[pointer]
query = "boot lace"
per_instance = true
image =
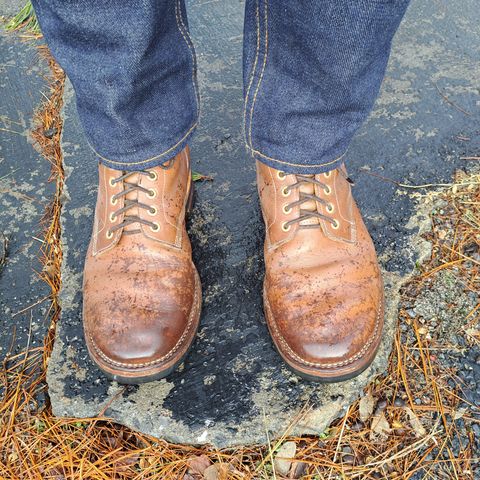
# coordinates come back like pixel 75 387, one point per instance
pixel 128 203
pixel 306 214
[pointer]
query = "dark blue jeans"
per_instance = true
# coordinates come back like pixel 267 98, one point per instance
pixel 312 71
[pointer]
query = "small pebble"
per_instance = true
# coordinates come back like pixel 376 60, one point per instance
pixel 347 449
pixel 283 458
pixel 381 405
pixel 49 132
pixel 357 426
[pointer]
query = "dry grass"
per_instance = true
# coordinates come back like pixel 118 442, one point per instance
pixel 411 424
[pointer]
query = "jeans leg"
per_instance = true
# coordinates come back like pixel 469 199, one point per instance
pixel 133 69
pixel 312 71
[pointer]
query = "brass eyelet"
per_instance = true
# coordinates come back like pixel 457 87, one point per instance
pixel 327 174
pixel 152 211
pixel 327 190
pixel 286 191
pixel 281 175
pixel 152 193
pixel 336 224
pixel 286 209
pixel 112 217
pixel 112 181
pixel 113 200
pixel 109 234
pixel 330 208
pixel 155 227
pixel 153 175
pixel 286 227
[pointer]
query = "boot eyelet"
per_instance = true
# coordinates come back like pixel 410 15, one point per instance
pixel 330 208
pixel 327 190
pixel 152 193
pixel 152 211
pixel 286 191
pixel 109 234
pixel 153 175
pixel 336 224
pixel 281 175
pixel 112 181
pixel 113 200
pixel 327 174
pixel 286 209
pixel 155 227
pixel 113 216
pixel 286 227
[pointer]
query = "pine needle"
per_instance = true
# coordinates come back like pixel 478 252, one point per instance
pixel 26 20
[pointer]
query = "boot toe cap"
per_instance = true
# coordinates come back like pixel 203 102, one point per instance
pixel 326 344
pixel 131 335
pixel 137 346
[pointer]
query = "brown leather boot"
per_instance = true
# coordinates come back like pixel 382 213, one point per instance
pixel 141 291
pixel 323 291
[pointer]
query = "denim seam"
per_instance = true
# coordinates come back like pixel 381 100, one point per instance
pixel 188 40
pixel 249 142
pixel 254 69
pixel 265 56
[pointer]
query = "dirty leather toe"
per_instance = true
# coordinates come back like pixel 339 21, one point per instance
pixel 149 308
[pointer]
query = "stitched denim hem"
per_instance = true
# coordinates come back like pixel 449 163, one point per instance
pixel 148 159
pixel 291 167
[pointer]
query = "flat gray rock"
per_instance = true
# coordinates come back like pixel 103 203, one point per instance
pixel 233 388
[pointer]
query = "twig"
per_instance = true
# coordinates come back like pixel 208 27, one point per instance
pixel 403 185
pixel 337 449
pixel 38 302
pixel 460 109
pixel 109 403
pixel 301 414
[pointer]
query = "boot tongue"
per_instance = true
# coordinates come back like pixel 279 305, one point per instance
pixel 133 211
pixel 308 205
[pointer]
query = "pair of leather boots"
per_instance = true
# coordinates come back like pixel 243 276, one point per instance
pixel 323 292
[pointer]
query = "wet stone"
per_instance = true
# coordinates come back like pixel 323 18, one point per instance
pixel 233 388
pixel 24 196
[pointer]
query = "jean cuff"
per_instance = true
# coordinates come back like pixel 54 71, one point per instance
pixel 291 167
pixel 151 159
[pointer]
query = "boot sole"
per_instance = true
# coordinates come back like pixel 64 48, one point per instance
pixel 336 379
